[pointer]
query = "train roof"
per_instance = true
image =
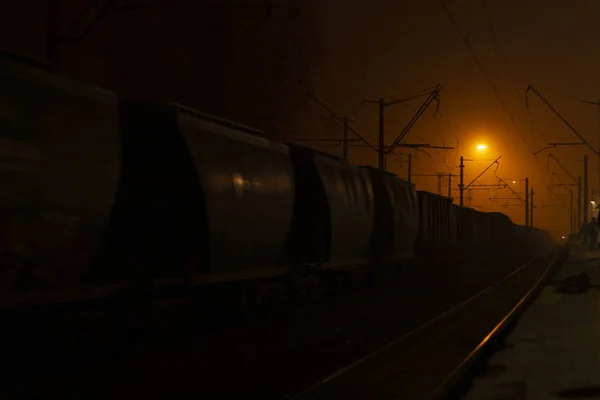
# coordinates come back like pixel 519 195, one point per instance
pixel 19 67
pixel 316 151
pixel 26 60
pixel 221 126
pixel 436 195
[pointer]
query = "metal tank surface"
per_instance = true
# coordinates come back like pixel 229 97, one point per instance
pixel 437 226
pixel 396 217
pixel 464 225
pixel 59 168
pixel 334 213
pixel 523 236
pixel 473 227
pixel 247 185
pixel 482 228
pixel 501 229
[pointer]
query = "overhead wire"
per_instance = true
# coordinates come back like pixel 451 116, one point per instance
pixel 341 49
pixel 520 96
pixel 484 72
pixel 508 70
pixel 491 84
pixel 383 86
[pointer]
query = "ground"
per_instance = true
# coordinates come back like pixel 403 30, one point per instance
pixel 554 351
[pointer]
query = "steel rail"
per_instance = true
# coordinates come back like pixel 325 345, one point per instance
pixel 459 372
pixel 338 375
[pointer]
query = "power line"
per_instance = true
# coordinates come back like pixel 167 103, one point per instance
pixel 483 71
pixel 489 81
pixel 333 114
pixel 342 49
pixel 500 51
pixel 510 77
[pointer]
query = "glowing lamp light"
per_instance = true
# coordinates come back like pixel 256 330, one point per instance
pixel 481 147
pixel 514 181
pixel 563 237
pixel 593 202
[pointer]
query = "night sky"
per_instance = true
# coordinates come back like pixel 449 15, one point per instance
pixel 240 64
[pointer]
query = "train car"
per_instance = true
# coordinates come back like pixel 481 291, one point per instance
pixel 60 165
pixel 482 228
pixel 396 218
pixel 473 227
pixel 501 230
pixel 528 240
pixel 334 211
pixel 437 223
pixel 522 236
pixel 543 241
pixel 465 235
pixel 203 200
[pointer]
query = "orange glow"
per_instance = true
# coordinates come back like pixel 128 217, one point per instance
pixel 481 147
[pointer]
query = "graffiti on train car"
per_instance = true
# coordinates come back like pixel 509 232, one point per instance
pixel 20 155
pixel 38 244
pixel 40 249
pixel 25 150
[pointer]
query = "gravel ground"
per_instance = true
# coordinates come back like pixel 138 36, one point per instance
pixel 415 369
pixel 273 357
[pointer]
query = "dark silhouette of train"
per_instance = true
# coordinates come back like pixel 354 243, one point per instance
pixel 100 194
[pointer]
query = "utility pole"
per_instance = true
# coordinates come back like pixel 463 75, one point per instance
pixel 380 142
pixel 345 142
pixel 585 189
pixel 570 206
pixel 410 167
pixel 440 177
pixel 571 211
pixel 382 151
pixel 54 31
pixel 532 207
pixel 579 202
pixel 595 103
pixel 579 197
pixel 526 201
pixel 461 185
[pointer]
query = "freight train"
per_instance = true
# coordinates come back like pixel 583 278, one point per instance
pixel 101 194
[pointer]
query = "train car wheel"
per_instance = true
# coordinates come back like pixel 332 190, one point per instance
pixel 271 297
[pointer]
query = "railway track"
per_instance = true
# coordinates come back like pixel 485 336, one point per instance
pixel 436 360
pixel 276 357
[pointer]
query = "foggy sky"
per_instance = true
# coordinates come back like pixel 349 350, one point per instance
pixel 245 67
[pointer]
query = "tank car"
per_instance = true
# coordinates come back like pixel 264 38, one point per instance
pixel 202 199
pixel 396 218
pixel 333 212
pixel 465 235
pixel 501 231
pixel 437 223
pixel 60 167
pixel 104 192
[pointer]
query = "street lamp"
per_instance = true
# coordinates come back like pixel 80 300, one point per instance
pixel 481 147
